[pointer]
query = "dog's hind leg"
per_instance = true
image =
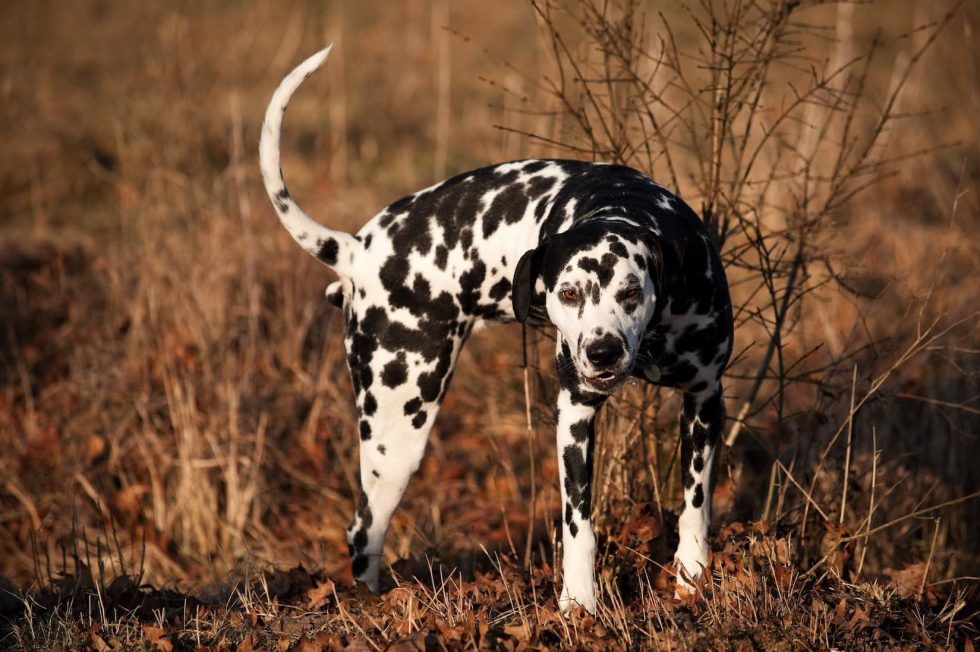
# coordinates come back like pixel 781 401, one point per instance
pixel 398 392
pixel 702 418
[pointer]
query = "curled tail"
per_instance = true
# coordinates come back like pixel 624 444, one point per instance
pixel 335 248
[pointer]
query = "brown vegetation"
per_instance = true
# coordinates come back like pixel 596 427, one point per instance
pixel 175 411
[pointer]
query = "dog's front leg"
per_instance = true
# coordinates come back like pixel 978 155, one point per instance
pixel 575 439
pixel 702 418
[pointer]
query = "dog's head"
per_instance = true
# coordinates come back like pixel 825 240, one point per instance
pixel 597 283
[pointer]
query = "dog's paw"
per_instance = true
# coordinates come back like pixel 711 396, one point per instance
pixel 568 601
pixel 690 562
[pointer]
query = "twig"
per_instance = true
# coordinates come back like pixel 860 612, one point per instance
pixel 880 528
pixel 531 439
pixel 847 455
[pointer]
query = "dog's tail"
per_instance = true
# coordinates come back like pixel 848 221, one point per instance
pixel 335 248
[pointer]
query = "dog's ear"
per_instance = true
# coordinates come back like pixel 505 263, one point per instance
pixel 655 262
pixel 525 278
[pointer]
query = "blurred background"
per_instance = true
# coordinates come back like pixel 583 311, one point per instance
pixel 173 384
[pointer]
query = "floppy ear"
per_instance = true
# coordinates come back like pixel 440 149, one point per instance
pixel 525 278
pixel 656 259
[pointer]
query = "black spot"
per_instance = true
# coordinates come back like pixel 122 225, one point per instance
pixel 500 290
pixel 395 372
pixel 698 498
pixel 592 291
pixel 364 512
pixel 698 463
pixel 387 219
pixel 401 205
pixel 413 406
pixel 508 206
pixel 365 430
pixel 328 251
pixel 361 539
pixel 442 255
pixel 430 385
pixel 419 420
pixel 367 378
pixel 370 404
pixel 688 479
pixel 582 430
pixel 604 268
pixel 375 473
pixel 619 249
pixel 470 297
pixel 382 449
pixel 578 480
pixel 572 529
pixel 280 199
pixel 358 564
pixel 681 372
pixel 699 435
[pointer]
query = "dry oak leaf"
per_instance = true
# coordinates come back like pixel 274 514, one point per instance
pixel 859 620
pixel 908 580
pixel 318 596
pixel 642 527
pixel 156 638
pixel 520 632
pixel 413 643
pixel 325 640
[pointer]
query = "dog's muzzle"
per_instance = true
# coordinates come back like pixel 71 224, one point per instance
pixel 607 381
pixel 608 357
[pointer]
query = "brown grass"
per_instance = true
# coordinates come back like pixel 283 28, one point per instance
pixel 175 411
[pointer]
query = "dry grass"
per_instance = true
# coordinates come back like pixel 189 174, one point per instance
pixel 174 407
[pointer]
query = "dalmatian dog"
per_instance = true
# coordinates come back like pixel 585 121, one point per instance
pixel 622 268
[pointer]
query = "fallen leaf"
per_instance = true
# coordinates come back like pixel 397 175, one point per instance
pixel 520 632
pixel 156 638
pixel 642 527
pixel 840 613
pixel 247 644
pixel 908 580
pixel 94 448
pixel 325 640
pixel 859 620
pixel 413 643
pixel 98 643
pixel 317 596
pixel 128 501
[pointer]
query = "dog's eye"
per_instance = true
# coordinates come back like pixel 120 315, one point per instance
pixel 631 294
pixel 568 295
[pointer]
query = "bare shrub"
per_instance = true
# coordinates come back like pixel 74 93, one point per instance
pixel 773 119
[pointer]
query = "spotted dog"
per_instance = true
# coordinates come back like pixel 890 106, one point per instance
pixel 619 265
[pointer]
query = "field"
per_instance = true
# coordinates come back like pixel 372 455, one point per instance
pixel 178 448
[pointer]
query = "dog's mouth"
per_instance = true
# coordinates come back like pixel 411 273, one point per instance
pixel 607 380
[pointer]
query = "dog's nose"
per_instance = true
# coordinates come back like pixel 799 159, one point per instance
pixel 604 352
